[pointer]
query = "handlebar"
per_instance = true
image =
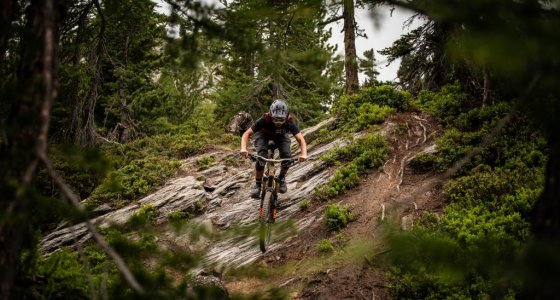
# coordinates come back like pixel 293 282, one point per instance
pixel 258 157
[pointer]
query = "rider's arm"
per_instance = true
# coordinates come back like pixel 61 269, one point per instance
pixel 302 146
pixel 245 141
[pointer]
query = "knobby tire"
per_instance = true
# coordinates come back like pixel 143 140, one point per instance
pixel 266 220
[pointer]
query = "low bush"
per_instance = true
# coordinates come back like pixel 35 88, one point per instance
pixel 141 166
pixel 370 106
pixel 337 217
pixel 204 162
pixel 363 154
pixel 467 251
pixel 446 104
pixel 325 246
pixel 303 204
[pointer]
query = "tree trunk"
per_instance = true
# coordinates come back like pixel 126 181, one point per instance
pixel 88 134
pixel 27 125
pixel 350 58
pixel 275 90
pixel 275 43
pixel 126 129
pixel 77 102
pixel 485 86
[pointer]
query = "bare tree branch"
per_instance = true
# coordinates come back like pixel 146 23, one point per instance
pixel 331 20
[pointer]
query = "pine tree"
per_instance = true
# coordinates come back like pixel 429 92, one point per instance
pixel 284 58
pixel 368 67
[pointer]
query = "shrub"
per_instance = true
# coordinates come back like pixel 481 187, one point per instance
pixel 303 204
pixel 146 215
pixel 177 215
pixel 325 246
pixel 363 153
pixel 64 275
pixel 370 106
pixel 204 162
pixel 446 104
pixel 467 251
pixel 142 165
pixel 336 217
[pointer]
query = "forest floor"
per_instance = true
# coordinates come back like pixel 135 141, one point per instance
pixel 393 195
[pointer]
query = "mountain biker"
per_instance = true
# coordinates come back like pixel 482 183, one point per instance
pixel 273 125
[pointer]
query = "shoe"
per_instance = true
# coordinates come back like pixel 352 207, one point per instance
pixel 256 191
pixel 283 187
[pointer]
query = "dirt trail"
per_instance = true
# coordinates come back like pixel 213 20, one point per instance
pixel 312 275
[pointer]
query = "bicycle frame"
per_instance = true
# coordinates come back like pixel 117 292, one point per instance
pixel 269 195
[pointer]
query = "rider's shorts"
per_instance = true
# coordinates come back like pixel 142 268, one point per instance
pixel 282 141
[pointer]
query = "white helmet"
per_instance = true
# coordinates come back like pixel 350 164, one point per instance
pixel 279 110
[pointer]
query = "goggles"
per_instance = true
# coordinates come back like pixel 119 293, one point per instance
pixel 278 121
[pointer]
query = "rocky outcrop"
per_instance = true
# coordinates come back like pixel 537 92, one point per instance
pixel 219 195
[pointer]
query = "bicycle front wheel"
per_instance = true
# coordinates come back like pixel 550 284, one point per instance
pixel 266 220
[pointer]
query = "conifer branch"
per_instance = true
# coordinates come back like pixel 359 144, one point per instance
pixel 121 265
pixel 331 20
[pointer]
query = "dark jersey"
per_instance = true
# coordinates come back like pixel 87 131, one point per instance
pixel 265 126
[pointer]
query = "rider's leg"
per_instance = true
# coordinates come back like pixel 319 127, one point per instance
pixel 284 143
pixel 261 144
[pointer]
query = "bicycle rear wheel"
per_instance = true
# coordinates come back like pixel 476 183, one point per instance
pixel 266 219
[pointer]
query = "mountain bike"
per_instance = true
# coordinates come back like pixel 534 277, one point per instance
pixel 269 195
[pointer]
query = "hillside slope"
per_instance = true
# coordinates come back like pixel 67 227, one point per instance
pixel 215 187
pixel 395 192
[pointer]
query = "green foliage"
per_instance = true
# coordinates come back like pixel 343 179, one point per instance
pixel 303 204
pixel 363 154
pixel 474 119
pixel 177 216
pixel 205 162
pixel 325 246
pixel 467 128
pixel 270 63
pixel 82 168
pixel 469 249
pixel 370 106
pixel 368 66
pixel 65 276
pixel 144 164
pixel 446 104
pixel 432 266
pixel 337 217
pixel 147 214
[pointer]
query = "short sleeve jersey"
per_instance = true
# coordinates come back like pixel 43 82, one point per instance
pixel 265 126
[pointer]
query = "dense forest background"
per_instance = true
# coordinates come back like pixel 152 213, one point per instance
pixel 102 99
